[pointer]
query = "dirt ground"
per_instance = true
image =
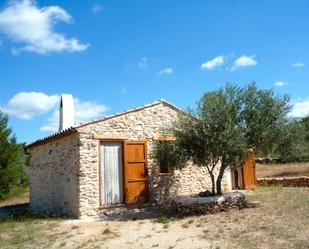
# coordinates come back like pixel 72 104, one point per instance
pixel 282 170
pixel 276 218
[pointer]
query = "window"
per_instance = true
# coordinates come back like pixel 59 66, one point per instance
pixel 164 167
pixel 165 156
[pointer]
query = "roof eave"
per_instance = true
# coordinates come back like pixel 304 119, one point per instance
pixel 52 137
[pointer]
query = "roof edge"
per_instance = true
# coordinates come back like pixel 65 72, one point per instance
pixel 75 127
pixel 117 114
pixel 52 137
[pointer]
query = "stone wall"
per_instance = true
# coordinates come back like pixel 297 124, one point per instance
pixel 186 181
pixel 301 181
pixel 64 172
pixel 54 183
pixel 144 124
pixel 202 205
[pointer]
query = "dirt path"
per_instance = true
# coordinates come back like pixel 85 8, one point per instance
pixel 276 218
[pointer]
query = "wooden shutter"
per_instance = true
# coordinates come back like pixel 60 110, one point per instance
pixel 135 172
pixel 249 172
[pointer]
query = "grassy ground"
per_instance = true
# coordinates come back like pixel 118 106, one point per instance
pixel 17 195
pixel 282 170
pixel 276 218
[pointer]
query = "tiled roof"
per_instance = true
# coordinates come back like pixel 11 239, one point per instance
pixel 73 128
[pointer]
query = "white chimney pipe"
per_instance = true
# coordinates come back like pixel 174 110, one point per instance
pixel 66 114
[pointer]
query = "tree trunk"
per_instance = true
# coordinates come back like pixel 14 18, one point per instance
pixel 219 180
pixel 212 177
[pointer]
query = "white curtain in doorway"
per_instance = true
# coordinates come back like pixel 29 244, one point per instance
pixel 111 173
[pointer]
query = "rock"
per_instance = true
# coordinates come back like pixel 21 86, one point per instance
pixel 206 193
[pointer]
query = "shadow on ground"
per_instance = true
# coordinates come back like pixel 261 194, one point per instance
pixel 147 212
pixel 12 210
pixel 143 212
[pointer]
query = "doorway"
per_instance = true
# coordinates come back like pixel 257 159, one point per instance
pixel 111 172
pixel 123 172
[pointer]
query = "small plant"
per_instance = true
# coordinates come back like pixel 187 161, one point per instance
pixel 166 226
pixel 62 244
pixel 162 219
pixel 186 225
pixel 106 231
pixel 155 245
pixel 190 221
pixel 198 224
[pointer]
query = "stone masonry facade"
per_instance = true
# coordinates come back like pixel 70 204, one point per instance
pixel 75 158
pixel 54 177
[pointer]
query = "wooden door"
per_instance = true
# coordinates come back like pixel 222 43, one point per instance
pixel 249 173
pixel 135 172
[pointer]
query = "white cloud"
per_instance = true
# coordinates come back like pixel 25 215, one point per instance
pixel 84 111
pixel 26 105
pixel 300 109
pixel 52 123
pixel 298 65
pixel 244 61
pixel 280 83
pixel 33 28
pixel 215 62
pixel 96 8
pixel 143 63
pixel 168 70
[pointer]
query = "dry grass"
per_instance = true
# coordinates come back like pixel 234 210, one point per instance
pixel 277 218
pixel 282 170
pixel 17 196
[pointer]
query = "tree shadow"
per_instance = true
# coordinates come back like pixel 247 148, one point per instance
pixel 133 212
pixel 150 212
pixel 15 210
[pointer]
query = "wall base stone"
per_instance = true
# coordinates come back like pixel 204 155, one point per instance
pixel 203 205
pixel 302 181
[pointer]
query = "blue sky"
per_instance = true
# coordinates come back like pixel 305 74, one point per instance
pixel 116 55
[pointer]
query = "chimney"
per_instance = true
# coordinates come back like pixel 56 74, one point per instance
pixel 66 113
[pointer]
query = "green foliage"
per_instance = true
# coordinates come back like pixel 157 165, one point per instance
pixel 169 154
pixel 231 120
pixel 162 219
pixel 263 115
pixel 305 143
pixel 305 123
pixel 290 144
pixel 106 231
pixel 12 159
pixel 16 192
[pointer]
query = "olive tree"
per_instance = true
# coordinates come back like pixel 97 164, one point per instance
pixel 229 121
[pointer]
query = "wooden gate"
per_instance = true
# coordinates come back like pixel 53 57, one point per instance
pixel 249 173
pixel 135 172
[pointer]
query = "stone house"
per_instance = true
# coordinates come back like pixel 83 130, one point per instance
pixel 109 162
